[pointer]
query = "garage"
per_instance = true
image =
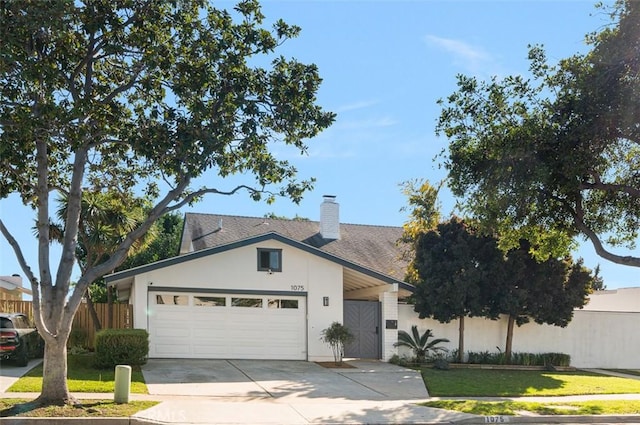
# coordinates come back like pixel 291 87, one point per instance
pixel 227 326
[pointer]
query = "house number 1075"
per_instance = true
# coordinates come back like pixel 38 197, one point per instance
pixel 297 288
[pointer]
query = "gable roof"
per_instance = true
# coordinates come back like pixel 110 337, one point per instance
pixel 375 248
pixel 369 254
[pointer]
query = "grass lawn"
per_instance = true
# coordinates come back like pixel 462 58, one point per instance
pixel 89 408
pixel 514 383
pixel 600 407
pixel 82 377
pixel 523 383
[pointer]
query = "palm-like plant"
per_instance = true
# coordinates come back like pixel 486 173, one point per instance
pixel 420 344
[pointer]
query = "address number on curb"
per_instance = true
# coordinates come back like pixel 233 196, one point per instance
pixel 496 419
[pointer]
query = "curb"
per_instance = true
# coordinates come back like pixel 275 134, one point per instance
pixel 551 419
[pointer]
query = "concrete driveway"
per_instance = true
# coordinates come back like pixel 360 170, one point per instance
pixel 271 379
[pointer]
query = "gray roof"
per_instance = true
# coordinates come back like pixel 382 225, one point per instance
pixel 373 247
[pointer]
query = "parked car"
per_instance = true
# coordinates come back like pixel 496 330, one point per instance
pixel 19 340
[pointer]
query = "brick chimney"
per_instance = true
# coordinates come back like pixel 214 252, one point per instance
pixel 330 218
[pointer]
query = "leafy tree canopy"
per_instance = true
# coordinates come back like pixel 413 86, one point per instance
pixel 557 156
pixel 139 98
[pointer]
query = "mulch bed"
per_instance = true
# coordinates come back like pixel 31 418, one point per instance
pixel 334 365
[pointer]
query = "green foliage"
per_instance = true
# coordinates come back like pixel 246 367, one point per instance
pixel 164 242
pixel 77 338
pixel 456 268
pixel 121 347
pixel 520 359
pixel 424 215
pixel 554 156
pixel 403 360
pixel 463 273
pixel 454 264
pixel 337 336
pixel 419 343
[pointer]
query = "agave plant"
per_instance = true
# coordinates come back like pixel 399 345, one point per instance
pixel 420 344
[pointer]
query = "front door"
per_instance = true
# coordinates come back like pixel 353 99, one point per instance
pixel 362 318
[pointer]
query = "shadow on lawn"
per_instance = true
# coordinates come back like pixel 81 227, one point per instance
pixel 487 383
pixel 19 409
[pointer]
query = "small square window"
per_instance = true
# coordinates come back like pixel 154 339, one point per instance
pixel 209 301
pixel 246 302
pixel 275 303
pixel 172 299
pixel 269 260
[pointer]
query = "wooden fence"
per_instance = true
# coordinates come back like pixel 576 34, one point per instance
pixel 83 329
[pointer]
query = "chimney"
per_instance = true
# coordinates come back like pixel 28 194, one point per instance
pixel 330 218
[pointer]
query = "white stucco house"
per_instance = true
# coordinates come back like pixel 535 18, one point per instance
pixel 263 288
pixel 258 288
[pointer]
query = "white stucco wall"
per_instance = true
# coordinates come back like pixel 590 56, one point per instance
pixel 236 270
pixel 623 299
pixel 593 339
pixel 389 302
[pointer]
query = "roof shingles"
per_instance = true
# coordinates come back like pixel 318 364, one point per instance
pixel 373 247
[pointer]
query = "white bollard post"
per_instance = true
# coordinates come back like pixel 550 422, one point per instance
pixel 122 384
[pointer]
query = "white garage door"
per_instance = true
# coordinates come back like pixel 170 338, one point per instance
pixel 227 326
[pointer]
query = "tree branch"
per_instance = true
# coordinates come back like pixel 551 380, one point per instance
pixel 626 260
pixel 609 187
pixel 189 198
pixel 72 221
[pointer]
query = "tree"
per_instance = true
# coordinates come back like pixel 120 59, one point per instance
pixel 164 242
pixel 456 267
pixel 557 156
pixel 105 220
pixel 139 98
pixel 420 344
pixel 598 282
pixel 337 336
pixel 545 291
pixel 424 215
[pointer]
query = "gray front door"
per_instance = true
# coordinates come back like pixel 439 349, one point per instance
pixel 363 320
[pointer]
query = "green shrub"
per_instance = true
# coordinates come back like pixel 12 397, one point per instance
pixel 121 347
pixel 77 338
pixel 521 359
pixel 404 360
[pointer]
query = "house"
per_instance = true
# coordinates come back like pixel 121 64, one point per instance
pixel 11 288
pixel 262 288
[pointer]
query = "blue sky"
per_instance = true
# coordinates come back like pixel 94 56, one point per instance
pixel 384 65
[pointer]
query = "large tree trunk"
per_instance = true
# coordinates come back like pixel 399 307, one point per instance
pixel 461 339
pixel 509 344
pixel 54 375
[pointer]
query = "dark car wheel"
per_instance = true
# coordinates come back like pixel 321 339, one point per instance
pixel 22 359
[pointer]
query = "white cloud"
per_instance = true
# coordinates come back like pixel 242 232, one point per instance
pixel 473 58
pixel 362 104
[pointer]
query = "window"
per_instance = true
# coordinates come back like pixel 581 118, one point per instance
pixel 172 299
pixel 210 301
pixel 269 260
pixel 293 304
pixel 247 302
